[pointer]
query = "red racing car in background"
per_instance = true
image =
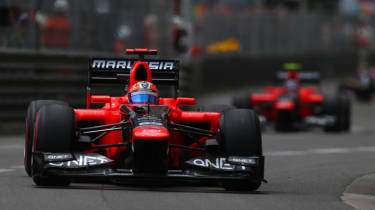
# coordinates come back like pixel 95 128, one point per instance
pixel 140 136
pixel 294 107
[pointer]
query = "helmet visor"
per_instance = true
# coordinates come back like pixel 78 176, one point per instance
pixel 143 99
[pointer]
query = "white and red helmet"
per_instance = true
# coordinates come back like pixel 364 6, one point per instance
pixel 143 93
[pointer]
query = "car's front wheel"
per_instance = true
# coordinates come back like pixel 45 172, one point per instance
pixel 240 135
pixel 32 111
pixel 55 132
pixel 339 108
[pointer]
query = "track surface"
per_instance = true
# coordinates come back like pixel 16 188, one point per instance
pixel 305 171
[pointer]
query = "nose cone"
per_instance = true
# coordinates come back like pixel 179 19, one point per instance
pixel 284 105
pixel 150 133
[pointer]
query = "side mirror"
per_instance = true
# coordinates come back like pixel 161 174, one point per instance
pixel 185 101
pixel 100 99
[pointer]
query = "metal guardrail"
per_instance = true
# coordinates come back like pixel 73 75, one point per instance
pixel 27 76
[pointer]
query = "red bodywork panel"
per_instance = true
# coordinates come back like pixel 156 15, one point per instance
pixel 284 105
pixel 110 114
pixel 150 133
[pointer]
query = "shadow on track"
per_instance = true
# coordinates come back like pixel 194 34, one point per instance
pixel 182 188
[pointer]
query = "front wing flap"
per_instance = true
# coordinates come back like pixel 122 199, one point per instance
pixel 93 167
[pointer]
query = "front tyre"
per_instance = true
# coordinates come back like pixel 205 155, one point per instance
pixel 340 108
pixel 32 111
pixel 55 133
pixel 240 135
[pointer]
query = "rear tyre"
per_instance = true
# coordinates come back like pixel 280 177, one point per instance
pixel 240 135
pixel 54 132
pixel 340 109
pixel 243 101
pixel 32 110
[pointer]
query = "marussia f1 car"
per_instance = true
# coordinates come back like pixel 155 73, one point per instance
pixel 292 107
pixel 123 142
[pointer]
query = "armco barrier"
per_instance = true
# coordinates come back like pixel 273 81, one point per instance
pixel 30 75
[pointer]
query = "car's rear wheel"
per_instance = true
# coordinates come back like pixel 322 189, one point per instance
pixel 32 110
pixel 54 132
pixel 240 135
pixel 340 109
pixel 243 101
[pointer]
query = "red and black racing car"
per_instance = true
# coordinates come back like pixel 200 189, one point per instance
pixel 294 107
pixel 140 136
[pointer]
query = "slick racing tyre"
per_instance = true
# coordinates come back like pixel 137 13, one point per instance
pixel 221 108
pixel 240 135
pixel 243 101
pixel 32 110
pixel 54 132
pixel 340 109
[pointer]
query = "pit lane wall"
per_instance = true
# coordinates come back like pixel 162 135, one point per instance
pixel 31 75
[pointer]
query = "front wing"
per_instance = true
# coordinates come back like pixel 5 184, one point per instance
pixel 92 167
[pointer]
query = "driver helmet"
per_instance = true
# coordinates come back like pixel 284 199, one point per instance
pixel 291 86
pixel 143 93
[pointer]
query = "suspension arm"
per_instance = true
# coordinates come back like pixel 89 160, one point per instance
pixel 193 130
pixel 94 128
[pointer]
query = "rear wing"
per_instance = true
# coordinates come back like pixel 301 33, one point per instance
pixel 103 70
pixel 308 77
pixel 118 71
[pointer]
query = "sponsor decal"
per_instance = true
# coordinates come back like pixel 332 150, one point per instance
pixel 321 121
pixel 145 85
pixel 127 64
pixel 58 157
pixel 219 163
pixel 82 161
pixel 242 160
pixel 150 123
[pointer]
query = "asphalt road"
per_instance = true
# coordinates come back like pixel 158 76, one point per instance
pixel 308 170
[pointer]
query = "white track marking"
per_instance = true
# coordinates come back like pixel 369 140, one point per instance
pixel 358 129
pixel 3 170
pixel 321 151
pixel 366 149
pixel 17 167
pixel 285 153
pixel 330 151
